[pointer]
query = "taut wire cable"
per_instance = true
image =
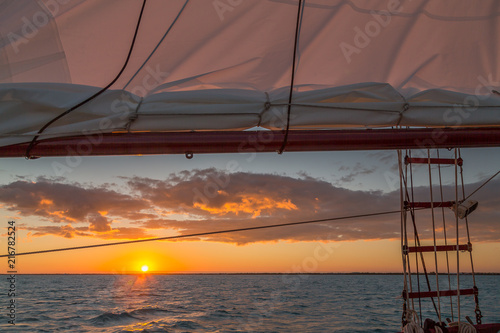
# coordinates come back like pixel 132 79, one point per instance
pixel 158 44
pixel 206 233
pixel 292 80
pixel 486 182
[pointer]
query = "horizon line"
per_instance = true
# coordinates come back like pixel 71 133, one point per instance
pixel 251 273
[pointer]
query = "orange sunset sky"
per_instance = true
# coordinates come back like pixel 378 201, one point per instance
pixel 109 199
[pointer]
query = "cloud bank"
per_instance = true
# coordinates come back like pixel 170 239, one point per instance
pixel 210 199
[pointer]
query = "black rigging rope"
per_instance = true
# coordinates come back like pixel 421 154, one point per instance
pixel 158 44
pixel 292 80
pixel 33 142
pixel 480 187
pixel 206 233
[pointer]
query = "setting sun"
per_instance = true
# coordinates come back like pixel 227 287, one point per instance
pixel 144 268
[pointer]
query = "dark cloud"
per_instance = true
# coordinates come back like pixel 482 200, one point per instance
pixel 66 231
pixel 69 231
pixel 74 203
pixel 214 200
pixel 333 230
pixel 354 172
pixel 387 158
pixel 60 202
pixel 206 200
pixel 484 222
pixel 126 233
pixel 99 223
pixel 211 194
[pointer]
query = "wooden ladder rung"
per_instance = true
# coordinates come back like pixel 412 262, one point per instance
pixel 423 160
pixel 442 293
pixel 430 248
pixel 428 204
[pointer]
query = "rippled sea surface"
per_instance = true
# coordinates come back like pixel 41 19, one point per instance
pixel 218 303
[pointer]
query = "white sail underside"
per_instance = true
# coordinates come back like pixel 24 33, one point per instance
pixel 227 65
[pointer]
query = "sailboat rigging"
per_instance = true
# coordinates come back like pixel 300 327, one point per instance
pixel 413 251
pixel 77 78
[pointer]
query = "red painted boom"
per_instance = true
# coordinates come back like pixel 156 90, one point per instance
pixel 258 141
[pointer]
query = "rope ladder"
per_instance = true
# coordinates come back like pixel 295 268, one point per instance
pixel 433 283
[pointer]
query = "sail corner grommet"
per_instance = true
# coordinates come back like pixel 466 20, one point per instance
pixel 189 156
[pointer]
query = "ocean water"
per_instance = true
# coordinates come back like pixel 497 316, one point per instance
pixel 218 303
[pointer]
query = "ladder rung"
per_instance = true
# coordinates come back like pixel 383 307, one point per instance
pixel 429 204
pixel 463 292
pixel 418 160
pixel 462 247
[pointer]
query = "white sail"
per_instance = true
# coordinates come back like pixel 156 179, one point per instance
pixel 199 65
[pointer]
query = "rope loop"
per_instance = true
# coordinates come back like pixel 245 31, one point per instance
pixel 466 328
pixel 412 328
pixel 413 325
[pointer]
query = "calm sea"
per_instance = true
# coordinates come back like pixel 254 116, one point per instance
pixel 218 303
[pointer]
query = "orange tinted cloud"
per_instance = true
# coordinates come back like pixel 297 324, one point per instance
pixel 249 204
pixel 207 200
